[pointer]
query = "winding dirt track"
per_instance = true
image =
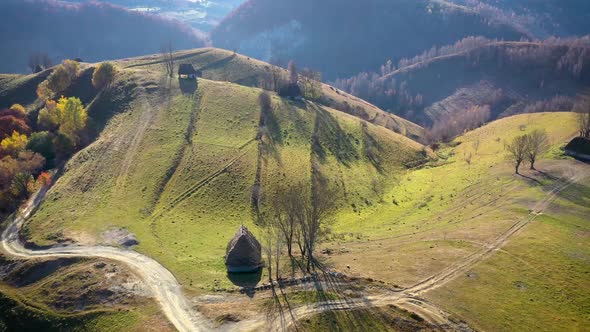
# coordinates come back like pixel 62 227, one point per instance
pixel 166 289
pixel 409 298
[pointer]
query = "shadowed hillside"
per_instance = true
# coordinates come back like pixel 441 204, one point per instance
pixel 92 31
pixel 541 18
pixel 508 77
pixel 361 36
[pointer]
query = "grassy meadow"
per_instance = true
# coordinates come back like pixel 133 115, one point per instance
pixel 447 210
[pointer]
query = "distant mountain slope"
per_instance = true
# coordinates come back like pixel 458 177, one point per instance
pixel 93 31
pixel 181 165
pixel 342 38
pixel 203 15
pixel 509 77
pixel 541 18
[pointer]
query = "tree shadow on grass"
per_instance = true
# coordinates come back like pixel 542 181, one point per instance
pixel 328 136
pixel 372 148
pixel 575 192
pixel 188 86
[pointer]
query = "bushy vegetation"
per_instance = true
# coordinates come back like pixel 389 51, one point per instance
pixel 59 80
pixel 67 116
pixel 104 75
pixel 25 154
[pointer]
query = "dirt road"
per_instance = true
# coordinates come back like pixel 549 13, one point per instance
pixel 164 287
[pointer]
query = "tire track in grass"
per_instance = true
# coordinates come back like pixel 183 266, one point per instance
pixel 468 262
pixel 245 148
pixel 144 121
pixel 189 133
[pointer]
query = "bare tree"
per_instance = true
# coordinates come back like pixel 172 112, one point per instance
pixel 289 206
pixel 583 111
pixel 517 150
pixel 312 83
pixel 293 76
pixel 273 79
pixel 168 58
pixel 320 210
pixel 537 144
pixel 39 60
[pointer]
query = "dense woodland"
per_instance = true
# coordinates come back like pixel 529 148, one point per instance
pixel 29 145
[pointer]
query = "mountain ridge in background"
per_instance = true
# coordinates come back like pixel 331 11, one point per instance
pixel 359 36
pixel 91 31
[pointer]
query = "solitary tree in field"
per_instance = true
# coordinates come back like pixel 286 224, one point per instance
pixel 312 83
pixel 103 75
pixel 293 76
pixel 537 144
pixel 584 117
pixel 168 58
pixel 39 61
pixel 517 150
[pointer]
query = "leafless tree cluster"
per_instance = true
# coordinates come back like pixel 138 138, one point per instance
pixel 311 83
pixel 272 79
pixel 168 58
pixel 527 148
pixel 583 110
pixel 555 104
pixel 569 57
pixel 293 75
pixel 464 45
pixel 495 15
pixel 457 123
pixel 297 219
pixel 38 61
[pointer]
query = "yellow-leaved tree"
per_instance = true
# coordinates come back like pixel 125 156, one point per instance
pixel 68 115
pixel 13 144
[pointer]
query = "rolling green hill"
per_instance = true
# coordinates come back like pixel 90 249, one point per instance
pixel 176 163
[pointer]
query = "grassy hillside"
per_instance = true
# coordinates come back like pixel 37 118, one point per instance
pixel 441 214
pixel 361 37
pixel 176 165
pixel 222 65
pixel 510 77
